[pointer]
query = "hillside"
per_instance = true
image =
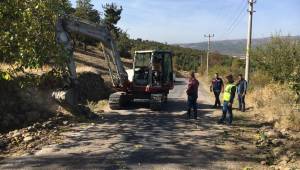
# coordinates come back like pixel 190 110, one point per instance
pixel 230 47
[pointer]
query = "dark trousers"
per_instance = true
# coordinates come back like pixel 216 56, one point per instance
pixel 242 105
pixel 192 104
pixel 217 98
pixel 226 110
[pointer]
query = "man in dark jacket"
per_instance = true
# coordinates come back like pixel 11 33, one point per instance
pixel 216 87
pixel 228 97
pixel 192 92
pixel 241 91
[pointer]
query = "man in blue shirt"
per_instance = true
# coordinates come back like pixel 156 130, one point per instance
pixel 241 91
pixel 217 86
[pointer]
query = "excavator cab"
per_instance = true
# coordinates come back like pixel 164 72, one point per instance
pixel 152 69
pixel 151 79
pixel 152 76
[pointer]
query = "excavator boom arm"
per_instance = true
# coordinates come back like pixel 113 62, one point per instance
pixel 67 24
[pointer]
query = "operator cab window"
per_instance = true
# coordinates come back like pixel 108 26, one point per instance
pixel 157 69
pixel 141 69
pixel 167 70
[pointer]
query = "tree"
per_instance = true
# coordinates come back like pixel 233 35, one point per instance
pixel 84 9
pixel 124 44
pixel 280 58
pixel 112 15
pixel 27 34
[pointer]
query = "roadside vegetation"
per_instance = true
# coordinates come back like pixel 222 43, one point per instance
pixel 272 100
pixel 274 80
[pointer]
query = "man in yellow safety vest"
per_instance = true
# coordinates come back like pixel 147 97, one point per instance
pixel 228 98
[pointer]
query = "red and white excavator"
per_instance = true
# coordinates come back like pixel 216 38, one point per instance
pixel 152 74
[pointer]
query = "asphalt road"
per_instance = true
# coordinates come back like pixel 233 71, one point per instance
pixel 139 138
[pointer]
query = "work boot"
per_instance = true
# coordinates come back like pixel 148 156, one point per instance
pixel 220 122
pixel 243 109
pixel 195 114
pixel 229 123
pixel 188 114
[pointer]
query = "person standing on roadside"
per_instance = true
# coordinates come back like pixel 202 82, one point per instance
pixel 241 91
pixel 192 93
pixel 228 97
pixel 217 86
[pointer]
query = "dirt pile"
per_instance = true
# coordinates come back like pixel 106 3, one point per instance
pixel 21 106
pixel 92 87
pixel 29 99
pixel 280 150
pixel 28 140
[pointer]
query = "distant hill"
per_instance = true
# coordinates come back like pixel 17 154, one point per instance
pixel 230 47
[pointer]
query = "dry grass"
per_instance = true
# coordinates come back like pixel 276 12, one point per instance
pixel 4 67
pixel 99 106
pixel 276 103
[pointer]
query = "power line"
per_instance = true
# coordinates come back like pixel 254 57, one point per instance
pixel 236 20
pixel 227 15
pixel 237 23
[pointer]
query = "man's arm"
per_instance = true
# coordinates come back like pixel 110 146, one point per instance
pixel 190 85
pixel 232 94
pixel 222 86
pixel 245 87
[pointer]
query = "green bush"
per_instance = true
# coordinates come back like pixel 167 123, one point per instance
pixel 280 59
pixel 27 34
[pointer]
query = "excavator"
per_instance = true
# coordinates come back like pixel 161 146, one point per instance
pixel 151 77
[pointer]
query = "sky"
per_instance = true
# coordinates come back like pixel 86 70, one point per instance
pixel 187 21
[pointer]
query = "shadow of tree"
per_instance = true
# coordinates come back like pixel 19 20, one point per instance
pixel 151 138
pixel 143 139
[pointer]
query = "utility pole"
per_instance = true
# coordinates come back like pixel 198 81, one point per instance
pixel 249 39
pixel 201 61
pixel 209 36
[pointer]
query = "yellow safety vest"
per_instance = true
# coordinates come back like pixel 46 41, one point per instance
pixel 227 92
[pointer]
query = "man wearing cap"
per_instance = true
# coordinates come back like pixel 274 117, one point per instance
pixel 228 97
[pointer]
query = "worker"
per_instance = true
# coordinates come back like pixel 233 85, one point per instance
pixel 192 93
pixel 241 91
pixel 156 71
pixel 228 97
pixel 217 86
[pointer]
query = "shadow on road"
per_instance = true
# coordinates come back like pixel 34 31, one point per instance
pixel 147 140
pixel 144 140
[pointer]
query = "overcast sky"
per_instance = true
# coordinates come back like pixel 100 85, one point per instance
pixel 185 21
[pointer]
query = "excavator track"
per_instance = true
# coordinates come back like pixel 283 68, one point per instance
pixel 119 100
pixel 156 102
